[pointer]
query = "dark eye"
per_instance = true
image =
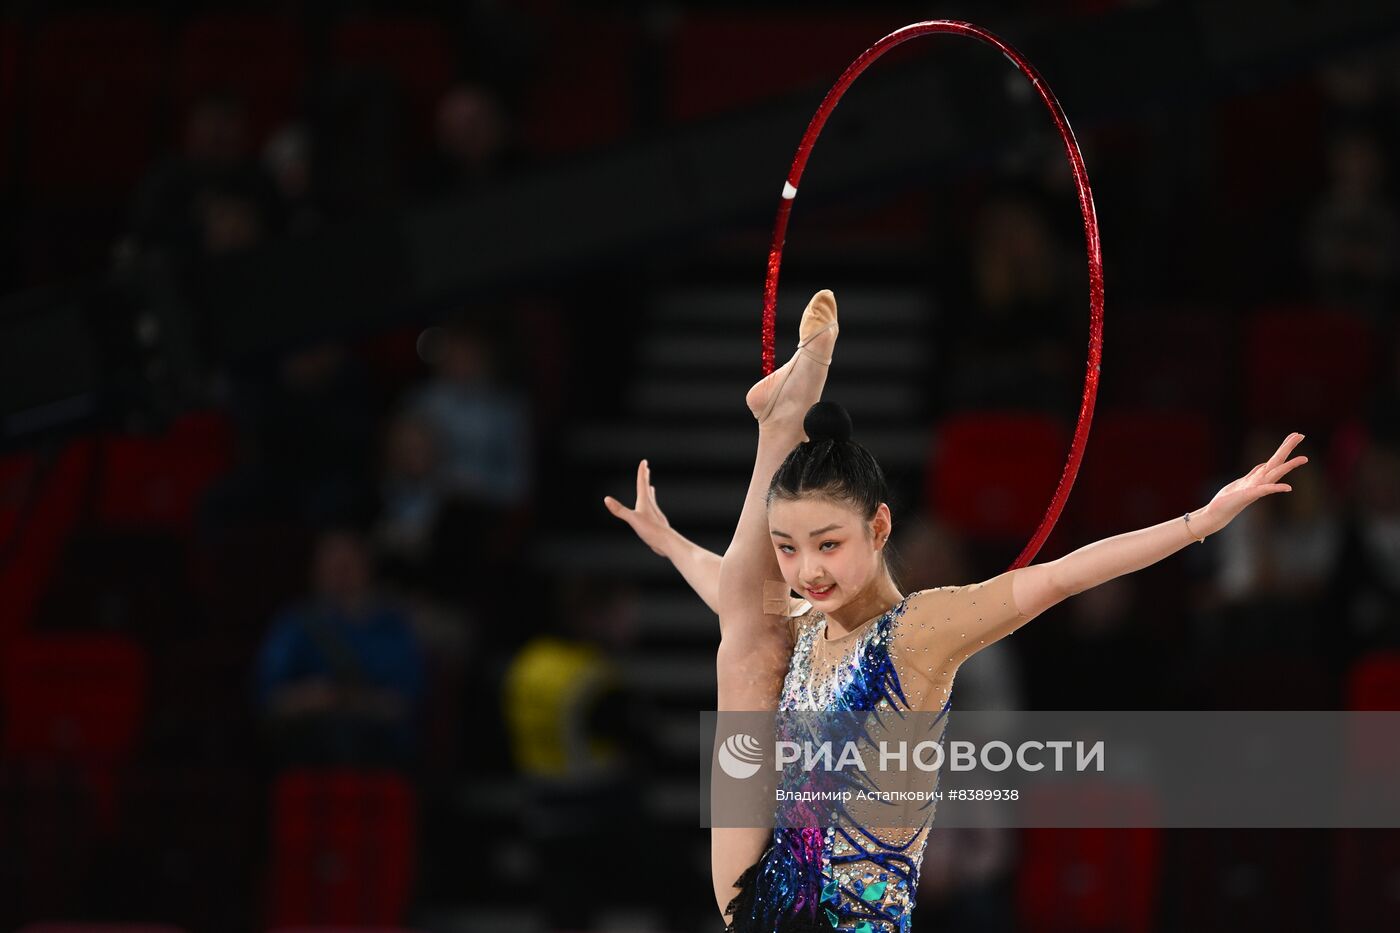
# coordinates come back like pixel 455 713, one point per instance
pixel 832 543
pixel 785 548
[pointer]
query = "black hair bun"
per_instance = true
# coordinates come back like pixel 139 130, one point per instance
pixel 827 421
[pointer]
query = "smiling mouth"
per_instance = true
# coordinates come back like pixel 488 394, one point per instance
pixel 820 592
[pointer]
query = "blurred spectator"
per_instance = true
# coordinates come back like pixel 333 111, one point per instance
pixel 1011 341
pixel 480 433
pixel 1363 598
pixel 1352 236
pixel 1277 556
pixel 562 690
pixel 230 221
pixel 1271 567
pixel 1355 85
pixel 471 142
pixel 340 676
pixel 287 158
pixel 411 490
pixel 212 195
pixel 481 428
pixel 580 744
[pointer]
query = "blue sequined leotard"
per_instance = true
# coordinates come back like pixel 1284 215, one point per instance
pixel 844 876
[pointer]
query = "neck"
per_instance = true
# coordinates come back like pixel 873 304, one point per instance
pixel 874 599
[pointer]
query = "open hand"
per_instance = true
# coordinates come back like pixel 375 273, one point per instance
pixel 1259 482
pixel 647 519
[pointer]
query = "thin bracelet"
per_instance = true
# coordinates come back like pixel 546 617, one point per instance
pixel 1187 519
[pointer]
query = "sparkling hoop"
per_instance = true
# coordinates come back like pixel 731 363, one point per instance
pixel 1086 208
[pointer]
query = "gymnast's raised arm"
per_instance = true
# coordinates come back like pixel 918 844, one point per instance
pixel 699 566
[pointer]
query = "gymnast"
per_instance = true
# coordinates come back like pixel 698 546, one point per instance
pixel 815 522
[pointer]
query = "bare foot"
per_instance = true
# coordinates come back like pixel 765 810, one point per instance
pixel 796 386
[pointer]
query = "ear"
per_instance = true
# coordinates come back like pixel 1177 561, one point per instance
pixel 881 525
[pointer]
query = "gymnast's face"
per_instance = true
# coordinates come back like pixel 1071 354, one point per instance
pixel 825 549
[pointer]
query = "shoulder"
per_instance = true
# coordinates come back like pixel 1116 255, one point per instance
pixel 990 597
pixel 954 622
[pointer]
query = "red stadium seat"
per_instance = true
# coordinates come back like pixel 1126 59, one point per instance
pixel 76 702
pixel 723 61
pixel 1086 880
pixel 991 474
pixel 156 482
pixel 256 56
pixel 1366 862
pixel 92 90
pixel 1253 167
pixel 343 848
pixel 1141 468
pixel 40 503
pixel 73 697
pixel 1145 368
pixel 583 94
pixel 415 53
pixel 1374 682
pixel 1307 366
pixel 1372 685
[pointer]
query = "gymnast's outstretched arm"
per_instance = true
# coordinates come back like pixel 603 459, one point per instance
pixel 958 621
pixel 699 566
pixel 1103 560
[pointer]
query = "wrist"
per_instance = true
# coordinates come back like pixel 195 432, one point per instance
pixel 1202 522
pixel 673 544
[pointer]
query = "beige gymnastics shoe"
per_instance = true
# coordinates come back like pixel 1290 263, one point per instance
pixel 817 334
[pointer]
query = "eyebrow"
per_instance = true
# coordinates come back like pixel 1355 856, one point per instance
pixel 784 534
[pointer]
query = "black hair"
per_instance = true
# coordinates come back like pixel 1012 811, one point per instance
pixel 832 465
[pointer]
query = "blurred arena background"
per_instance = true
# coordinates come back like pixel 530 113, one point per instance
pixel 326 326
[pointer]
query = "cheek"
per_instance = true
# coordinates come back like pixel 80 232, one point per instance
pixel 840 566
pixel 854 567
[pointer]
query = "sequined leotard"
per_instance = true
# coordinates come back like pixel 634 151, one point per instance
pixel 844 876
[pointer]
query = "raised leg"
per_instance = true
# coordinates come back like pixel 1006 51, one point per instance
pixel 755 647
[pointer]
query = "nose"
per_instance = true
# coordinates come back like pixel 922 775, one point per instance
pixel 811 572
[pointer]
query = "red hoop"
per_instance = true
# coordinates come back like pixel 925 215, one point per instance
pixel 1086 207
